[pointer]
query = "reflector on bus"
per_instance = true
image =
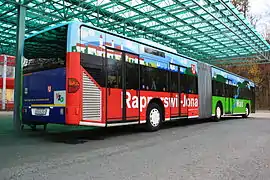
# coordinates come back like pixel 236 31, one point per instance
pixel 73 85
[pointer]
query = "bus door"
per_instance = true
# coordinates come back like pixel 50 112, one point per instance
pixel 228 97
pixel 122 87
pixel 184 90
pixel 176 95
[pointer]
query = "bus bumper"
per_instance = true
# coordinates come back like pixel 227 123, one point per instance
pixel 41 115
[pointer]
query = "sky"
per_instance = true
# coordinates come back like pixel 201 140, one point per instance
pixel 261 8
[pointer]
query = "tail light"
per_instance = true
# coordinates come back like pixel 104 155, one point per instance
pixel 73 85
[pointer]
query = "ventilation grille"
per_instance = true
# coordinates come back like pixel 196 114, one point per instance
pixel 91 100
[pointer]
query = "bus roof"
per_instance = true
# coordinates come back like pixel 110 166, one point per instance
pixel 49 28
pixel 137 40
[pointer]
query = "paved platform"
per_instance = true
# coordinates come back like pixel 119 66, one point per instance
pixel 6 125
pixel 234 148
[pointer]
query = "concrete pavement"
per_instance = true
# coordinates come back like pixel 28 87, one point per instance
pixel 235 148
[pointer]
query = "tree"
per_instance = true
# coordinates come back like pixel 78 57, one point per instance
pixel 260 74
pixel 244 7
pixel 241 5
pixel 254 19
pixel 250 70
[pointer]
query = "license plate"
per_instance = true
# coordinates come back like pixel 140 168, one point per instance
pixel 40 111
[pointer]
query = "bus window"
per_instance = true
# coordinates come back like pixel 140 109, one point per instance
pixel 114 74
pixel 189 84
pixel 132 76
pixel 46 50
pixel 144 78
pixel 154 79
pixel 218 88
pixel 153 85
pixel 183 83
pixel 94 66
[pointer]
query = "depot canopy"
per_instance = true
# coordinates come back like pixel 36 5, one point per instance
pixel 207 30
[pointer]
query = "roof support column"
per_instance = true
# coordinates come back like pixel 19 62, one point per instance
pixel 4 76
pixel 18 68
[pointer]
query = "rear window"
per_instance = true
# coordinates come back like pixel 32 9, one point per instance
pixel 46 50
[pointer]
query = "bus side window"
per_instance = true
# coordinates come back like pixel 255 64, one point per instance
pixel 114 73
pixel 144 77
pixel 174 82
pixel 94 66
pixel 184 86
pixel 143 86
pixel 191 83
pixel 153 85
pixel 132 76
pixel 154 79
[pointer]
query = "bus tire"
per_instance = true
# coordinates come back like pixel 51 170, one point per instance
pixel 45 127
pixel 33 127
pixel 154 117
pixel 218 112
pixel 247 112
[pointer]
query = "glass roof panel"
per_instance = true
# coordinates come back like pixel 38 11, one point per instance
pixel 206 30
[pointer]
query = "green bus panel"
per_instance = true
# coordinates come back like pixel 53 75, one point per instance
pixel 215 100
pixel 240 105
pixel 230 105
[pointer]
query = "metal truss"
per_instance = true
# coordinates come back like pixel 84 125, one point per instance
pixel 212 31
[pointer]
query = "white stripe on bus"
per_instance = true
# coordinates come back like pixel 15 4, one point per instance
pixel 193 116
pixel 84 123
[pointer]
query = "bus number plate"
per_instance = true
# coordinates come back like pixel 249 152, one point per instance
pixel 40 111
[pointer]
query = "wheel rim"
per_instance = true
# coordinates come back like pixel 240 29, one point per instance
pixel 218 112
pixel 247 111
pixel 154 117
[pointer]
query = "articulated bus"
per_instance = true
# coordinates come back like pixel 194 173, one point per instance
pixel 77 74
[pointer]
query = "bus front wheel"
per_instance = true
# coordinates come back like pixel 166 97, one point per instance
pixel 218 112
pixel 246 112
pixel 154 117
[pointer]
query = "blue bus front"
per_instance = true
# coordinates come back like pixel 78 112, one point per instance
pixel 44 77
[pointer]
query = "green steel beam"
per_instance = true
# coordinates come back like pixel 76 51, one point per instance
pixel 201 17
pixel 254 60
pixel 237 27
pixel 208 31
pixel 237 17
pixel 211 14
pixel 143 28
pixel 239 59
pixel 18 69
pixel 246 64
pixel 160 22
pixel 175 17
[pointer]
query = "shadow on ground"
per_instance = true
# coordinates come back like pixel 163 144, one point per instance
pixel 82 136
pixel 76 134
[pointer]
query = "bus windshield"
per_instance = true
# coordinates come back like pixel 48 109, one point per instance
pixel 46 50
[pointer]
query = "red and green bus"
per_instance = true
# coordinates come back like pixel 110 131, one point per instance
pixel 77 74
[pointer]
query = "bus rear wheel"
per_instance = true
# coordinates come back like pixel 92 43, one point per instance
pixel 246 112
pixel 154 117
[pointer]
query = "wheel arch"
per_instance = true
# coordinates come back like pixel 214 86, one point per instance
pixel 248 106
pixel 246 114
pixel 219 103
